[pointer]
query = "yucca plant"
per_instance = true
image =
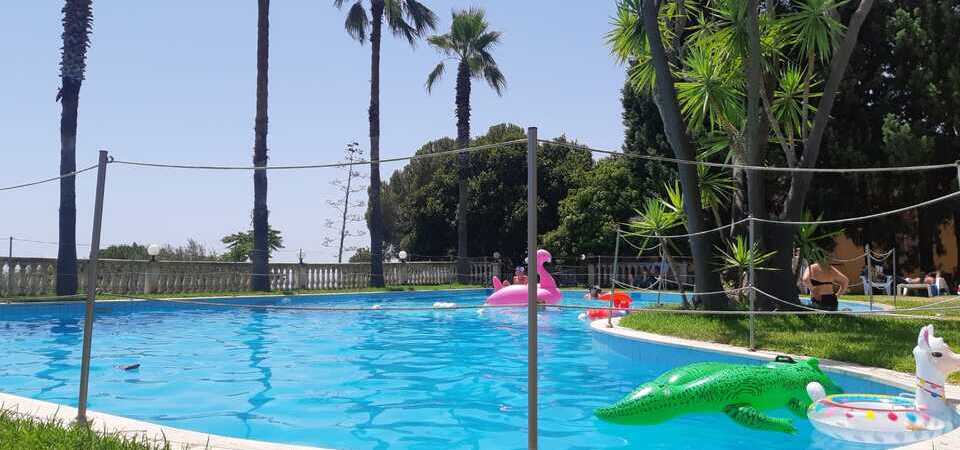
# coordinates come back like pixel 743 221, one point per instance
pixel 816 32
pixel 738 257
pixel 657 218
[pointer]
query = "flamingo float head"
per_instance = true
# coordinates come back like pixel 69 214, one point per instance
pixel 543 256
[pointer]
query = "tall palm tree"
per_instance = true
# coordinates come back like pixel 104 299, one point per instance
pixel 259 280
pixel 469 42
pixel 77 25
pixel 408 19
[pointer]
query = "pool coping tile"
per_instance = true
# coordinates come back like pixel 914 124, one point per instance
pixel 179 439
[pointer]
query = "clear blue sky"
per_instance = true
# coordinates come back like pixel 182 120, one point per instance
pixel 174 81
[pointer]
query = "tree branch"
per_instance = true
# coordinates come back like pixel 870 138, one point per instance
pixel 800 182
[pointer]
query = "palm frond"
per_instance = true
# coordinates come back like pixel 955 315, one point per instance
pixel 435 76
pixel 494 78
pixel 357 22
pixel 814 27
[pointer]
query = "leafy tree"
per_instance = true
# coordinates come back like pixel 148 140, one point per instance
pixel 408 19
pixel 590 214
pixel 259 280
pixel 643 136
pixel 77 26
pixel 191 251
pixel 469 42
pixel 898 107
pixel 425 192
pixel 240 244
pixel 361 255
pixel 717 71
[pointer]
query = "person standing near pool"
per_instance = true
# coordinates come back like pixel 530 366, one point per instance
pixel 820 277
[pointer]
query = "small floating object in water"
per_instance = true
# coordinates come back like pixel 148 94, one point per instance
pixel 129 367
pixel 375 307
pixel 444 305
pixel 581 316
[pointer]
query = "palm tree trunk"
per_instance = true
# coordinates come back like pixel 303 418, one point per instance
pixel 260 280
pixel 376 210
pixel 665 96
pixel 67 250
pixel 77 23
pixel 463 140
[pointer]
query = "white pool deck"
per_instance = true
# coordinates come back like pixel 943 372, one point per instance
pixel 948 441
pixel 177 438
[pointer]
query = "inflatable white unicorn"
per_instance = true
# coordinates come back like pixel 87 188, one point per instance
pixel 884 419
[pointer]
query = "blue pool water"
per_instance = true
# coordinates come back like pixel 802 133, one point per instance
pixel 370 380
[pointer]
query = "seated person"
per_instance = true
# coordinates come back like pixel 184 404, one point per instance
pixel 594 293
pixel 519 276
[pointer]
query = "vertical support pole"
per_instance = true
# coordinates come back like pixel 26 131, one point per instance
pixel 895 287
pixel 868 283
pixel 91 289
pixel 533 279
pixel 613 278
pixel 10 269
pixel 753 292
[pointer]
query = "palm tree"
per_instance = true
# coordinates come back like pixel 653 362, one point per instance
pixel 408 19
pixel 469 42
pixel 259 280
pixel 77 25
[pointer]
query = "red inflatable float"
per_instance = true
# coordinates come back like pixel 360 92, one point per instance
pixel 619 299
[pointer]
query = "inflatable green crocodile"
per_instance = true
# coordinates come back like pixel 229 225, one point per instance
pixel 740 391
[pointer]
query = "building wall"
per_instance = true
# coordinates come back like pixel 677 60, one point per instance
pixel 845 249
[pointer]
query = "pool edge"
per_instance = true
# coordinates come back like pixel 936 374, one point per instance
pixel 178 438
pixel 950 440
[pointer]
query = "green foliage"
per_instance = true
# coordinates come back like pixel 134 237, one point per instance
pixel 240 244
pixel 590 214
pixel 424 195
pixel 408 19
pixel 657 218
pixel 24 433
pixel 811 242
pixel 739 256
pixel 191 251
pixel 361 255
pixel 469 41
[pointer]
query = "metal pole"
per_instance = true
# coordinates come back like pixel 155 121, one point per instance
pixel 753 292
pixel 91 289
pixel 895 288
pixel 868 282
pixel 532 281
pixel 10 270
pixel 613 278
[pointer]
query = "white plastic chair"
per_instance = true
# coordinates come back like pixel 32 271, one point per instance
pixel 886 287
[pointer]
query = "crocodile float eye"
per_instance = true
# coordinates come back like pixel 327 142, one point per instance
pixel 936 354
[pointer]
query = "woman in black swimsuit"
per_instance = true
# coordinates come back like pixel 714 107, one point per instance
pixel 820 278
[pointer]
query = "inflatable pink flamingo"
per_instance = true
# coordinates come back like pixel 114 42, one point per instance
pixel 516 294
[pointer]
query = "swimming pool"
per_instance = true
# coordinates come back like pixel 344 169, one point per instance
pixel 370 380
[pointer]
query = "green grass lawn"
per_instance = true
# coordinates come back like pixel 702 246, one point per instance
pixel 80 297
pixel 19 433
pixel 873 341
